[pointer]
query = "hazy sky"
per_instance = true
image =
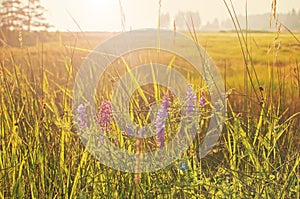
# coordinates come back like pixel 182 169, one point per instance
pixel 104 15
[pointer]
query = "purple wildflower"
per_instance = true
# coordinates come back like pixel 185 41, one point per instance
pixel 82 117
pixel 202 100
pixel 160 121
pixel 183 166
pixel 105 115
pixel 190 99
pixel 100 140
pixel 129 129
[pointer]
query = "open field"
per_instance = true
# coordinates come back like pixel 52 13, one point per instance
pixel 257 155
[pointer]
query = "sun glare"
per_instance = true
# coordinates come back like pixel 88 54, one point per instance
pixel 102 13
pixel 103 6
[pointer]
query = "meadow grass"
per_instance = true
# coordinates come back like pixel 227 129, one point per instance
pixel 257 155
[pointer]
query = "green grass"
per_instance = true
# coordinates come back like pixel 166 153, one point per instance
pixel 257 156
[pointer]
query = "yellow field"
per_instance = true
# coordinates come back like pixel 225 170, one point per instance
pixel 257 156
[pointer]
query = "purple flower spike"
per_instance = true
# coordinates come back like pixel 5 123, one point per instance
pixel 202 100
pixel 183 166
pixel 82 117
pixel 129 130
pixel 160 121
pixel 160 135
pixel 190 99
pixel 100 140
pixel 104 116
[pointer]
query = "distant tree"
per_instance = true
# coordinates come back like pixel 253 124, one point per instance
pixel 11 15
pixel 15 16
pixel 165 20
pixel 188 19
pixel 227 25
pixel 34 16
pixel 214 26
pixel 193 19
pixel 294 19
pixel 179 20
pixel 298 23
pixel 291 20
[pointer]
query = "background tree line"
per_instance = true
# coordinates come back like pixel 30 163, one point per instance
pixel 17 17
pixel 183 20
pixel 262 21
